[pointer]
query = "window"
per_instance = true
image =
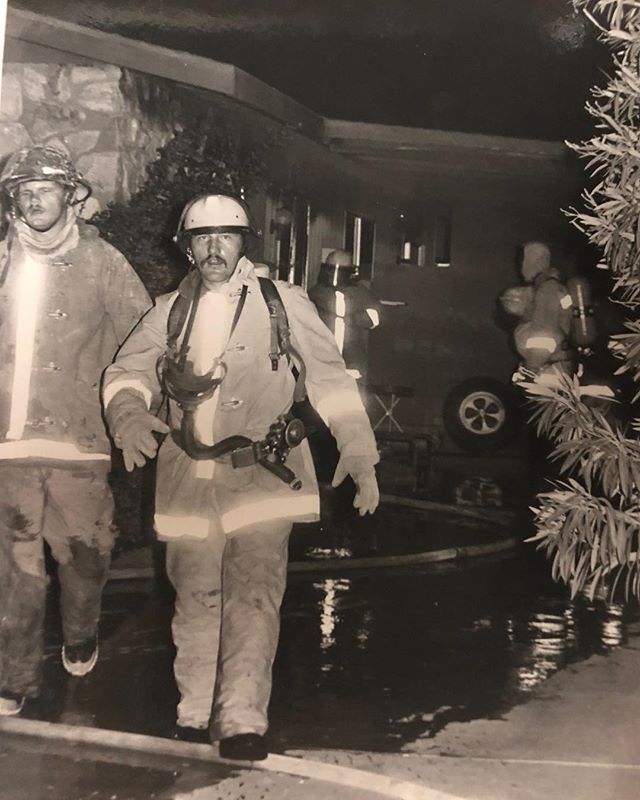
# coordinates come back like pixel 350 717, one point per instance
pixel 359 239
pixel 283 249
pixel 413 253
pixel 442 241
pixel 292 252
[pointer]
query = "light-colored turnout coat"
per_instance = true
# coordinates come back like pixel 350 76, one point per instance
pixel 200 498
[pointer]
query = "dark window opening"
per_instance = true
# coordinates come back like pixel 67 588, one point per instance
pixel 442 241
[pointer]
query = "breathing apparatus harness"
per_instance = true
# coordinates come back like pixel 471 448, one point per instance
pixel 189 391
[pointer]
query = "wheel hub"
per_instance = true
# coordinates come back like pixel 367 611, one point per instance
pixel 482 413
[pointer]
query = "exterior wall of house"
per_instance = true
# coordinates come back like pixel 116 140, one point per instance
pixel 451 327
pixel 82 109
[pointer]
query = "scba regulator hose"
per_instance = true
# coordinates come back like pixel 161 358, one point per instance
pixel 232 444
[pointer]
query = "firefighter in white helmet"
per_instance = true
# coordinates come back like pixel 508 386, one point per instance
pixel 348 308
pixel 68 300
pixel 234 473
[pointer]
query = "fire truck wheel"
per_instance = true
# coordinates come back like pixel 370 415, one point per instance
pixel 481 414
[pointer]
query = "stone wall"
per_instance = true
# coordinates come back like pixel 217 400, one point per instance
pixel 93 113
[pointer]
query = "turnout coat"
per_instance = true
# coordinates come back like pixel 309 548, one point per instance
pixel 89 301
pixel 349 312
pixel 198 498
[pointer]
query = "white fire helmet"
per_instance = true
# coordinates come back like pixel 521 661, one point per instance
pixel 212 213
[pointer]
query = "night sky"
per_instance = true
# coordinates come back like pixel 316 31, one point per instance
pixel 509 67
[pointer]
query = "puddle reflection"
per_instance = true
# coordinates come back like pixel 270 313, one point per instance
pixel 374 661
pixel 331 591
pixel 391 658
pixel 552 639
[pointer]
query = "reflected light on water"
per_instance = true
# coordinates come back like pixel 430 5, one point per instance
pixel 547 649
pixel 396 647
pixel 570 627
pixel 364 629
pixel 332 591
pixel 553 639
pixel 612 626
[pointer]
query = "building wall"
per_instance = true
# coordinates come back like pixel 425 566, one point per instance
pixel 451 327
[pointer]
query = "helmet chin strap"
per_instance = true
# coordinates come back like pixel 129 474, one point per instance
pixel 69 198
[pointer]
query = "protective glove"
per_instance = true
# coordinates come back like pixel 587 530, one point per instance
pixel 364 476
pixel 134 436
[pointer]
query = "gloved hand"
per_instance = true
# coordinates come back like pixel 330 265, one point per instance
pixel 364 476
pixel 134 436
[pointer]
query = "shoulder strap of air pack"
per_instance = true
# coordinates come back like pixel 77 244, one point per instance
pixel 280 337
pixel 177 318
pixel 180 310
pixel 280 343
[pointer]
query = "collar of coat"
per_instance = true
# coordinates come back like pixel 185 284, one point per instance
pixel 241 276
pixel 86 231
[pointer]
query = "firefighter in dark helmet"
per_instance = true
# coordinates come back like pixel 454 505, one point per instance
pixel 67 300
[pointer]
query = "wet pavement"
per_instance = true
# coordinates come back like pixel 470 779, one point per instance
pixel 369 661
pixel 372 661
pixel 33 770
pixel 375 662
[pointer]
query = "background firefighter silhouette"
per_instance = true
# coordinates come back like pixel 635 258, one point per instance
pixel 556 327
pixel 348 308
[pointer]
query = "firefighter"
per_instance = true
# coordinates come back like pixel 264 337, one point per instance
pixel 67 300
pixel 545 308
pixel 233 475
pixel 347 308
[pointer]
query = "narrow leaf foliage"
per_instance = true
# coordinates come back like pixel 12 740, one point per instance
pixel 588 524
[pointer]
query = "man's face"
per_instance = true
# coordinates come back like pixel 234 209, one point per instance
pixel 41 203
pixel 216 256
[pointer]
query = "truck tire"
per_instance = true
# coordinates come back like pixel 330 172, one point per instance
pixel 481 415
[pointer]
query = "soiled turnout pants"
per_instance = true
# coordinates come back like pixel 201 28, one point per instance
pixel 226 625
pixel 71 509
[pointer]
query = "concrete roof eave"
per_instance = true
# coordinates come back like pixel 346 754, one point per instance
pixel 163 62
pixel 407 148
pixel 419 149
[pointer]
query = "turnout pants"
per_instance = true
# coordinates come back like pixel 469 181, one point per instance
pixel 226 625
pixel 71 509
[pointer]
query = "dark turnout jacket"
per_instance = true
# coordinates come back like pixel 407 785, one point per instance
pixel 90 300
